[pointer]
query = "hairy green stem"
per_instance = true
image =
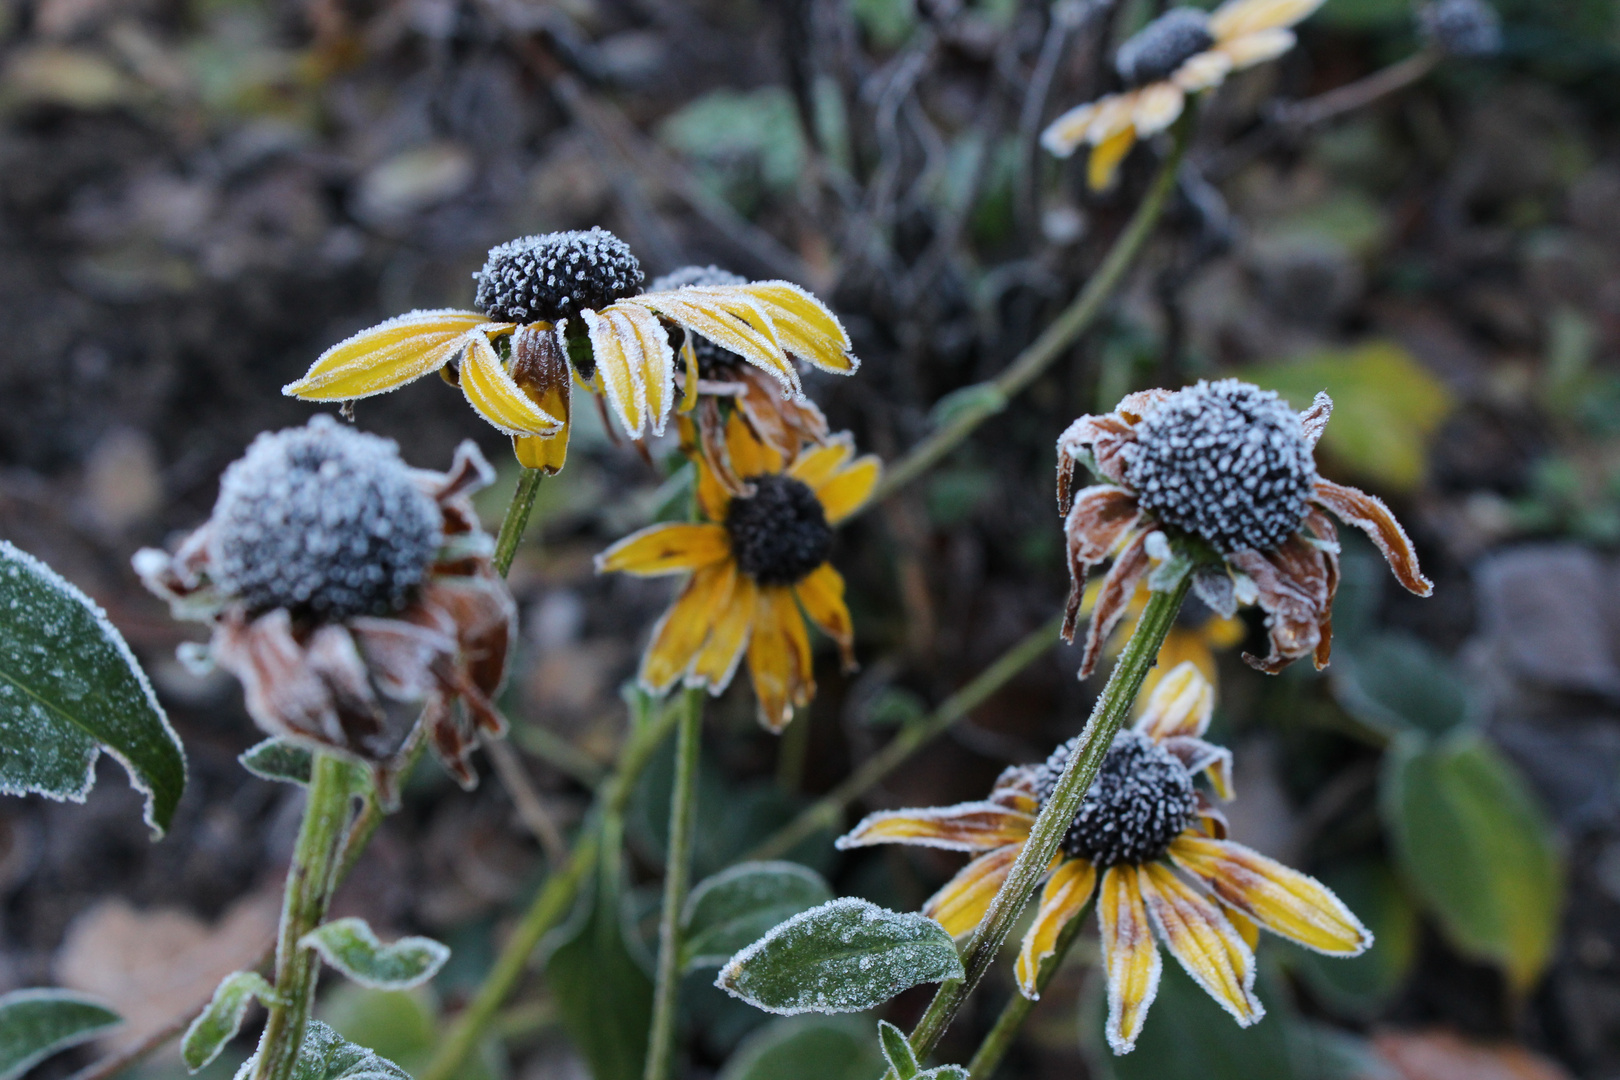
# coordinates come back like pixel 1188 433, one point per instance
pixel 516 519
pixel 677 880
pixel 1001 1035
pixel 1073 321
pixel 310 881
pixel 827 811
pixel 1113 704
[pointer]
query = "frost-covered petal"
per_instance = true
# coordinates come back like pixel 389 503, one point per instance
pixel 960 905
pixel 1201 72
pixel 492 393
pixel 1238 17
pixel 1198 935
pixel 1369 514
pixel 779 658
pixel 971 826
pixel 1157 107
pixel 1096 525
pixel 1063 897
pixel 1130 959
pixel 616 350
pixel 822 597
pixel 387 356
pixel 716 663
pixel 1256 48
pixel 849 488
pixel 1293 591
pixel 1182 703
pixel 1130 566
pixel 1205 757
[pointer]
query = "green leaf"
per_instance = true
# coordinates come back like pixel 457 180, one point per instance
pixel 897 1050
pixel 735 907
pixel 807 1048
pixel 845 956
pixel 1396 682
pixel 326 1055
pixel 70 688
pixel 279 759
pixel 1477 848
pixel 972 400
pixel 1359 987
pixel 219 1022
pixel 350 946
pixel 34 1024
pixel 1385 407
pixel 400 1025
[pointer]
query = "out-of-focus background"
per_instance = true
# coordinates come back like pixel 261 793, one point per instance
pixel 197 196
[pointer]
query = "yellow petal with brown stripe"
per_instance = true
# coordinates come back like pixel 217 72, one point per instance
pixel 387 356
pixel 1130 959
pixel 821 594
pixel 961 904
pixel 804 326
pixel 971 826
pixel 1182 703
pixel 1063 897
pixel 666 548
pixel 681 632
pixel 849 488
pixel 1286 902
pixel 717 661
pixel 1198 935
pixel 495 397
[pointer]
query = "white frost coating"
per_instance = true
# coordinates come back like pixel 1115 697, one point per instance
pixel 846 955
pixel 13 560
pixel 971 838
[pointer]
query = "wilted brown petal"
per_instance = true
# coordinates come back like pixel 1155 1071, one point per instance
pixel 1293 586
pixel 780 423
pixel 1315 418
pixel 1103 436
pixel 1371 516
pixel 1113 599
pixel 1098 520
pixel 1322 527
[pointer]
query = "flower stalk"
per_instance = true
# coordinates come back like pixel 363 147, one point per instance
pixel 1112 707
pixel 516 519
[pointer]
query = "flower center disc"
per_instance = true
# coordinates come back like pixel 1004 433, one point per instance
pixel 556 276
pixel 1162 46
pixel 780 533
pixel 1142 799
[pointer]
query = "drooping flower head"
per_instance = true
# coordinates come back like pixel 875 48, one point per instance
pixel 1183 51
pixel 567 307
pixel 345 589
pixel 1226 469
pixel 1149 844
pixel 757 559
pixel 1461 27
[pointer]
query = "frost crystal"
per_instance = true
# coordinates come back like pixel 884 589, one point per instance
pixel 1226 461
pixel 323 521
pixel 780 533
pixel 556 275
pixel 1461 27
pixel 713 361
pixel 1163 45
pixel 1142 799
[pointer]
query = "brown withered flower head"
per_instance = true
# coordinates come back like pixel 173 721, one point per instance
pixel 352 595
pixel 1225 471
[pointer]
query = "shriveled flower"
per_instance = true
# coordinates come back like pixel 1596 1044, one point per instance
pixel 758 558
pixel 1229 467
pixel 1158 844
pixel 345 589
pixel 1461 27
pixel 568 305
pixel 712 375
pixel 1184 51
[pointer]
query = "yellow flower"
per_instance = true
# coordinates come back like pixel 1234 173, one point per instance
pixel 1159 847
pixel 565 306
pixel 758 558
pixel 1184 51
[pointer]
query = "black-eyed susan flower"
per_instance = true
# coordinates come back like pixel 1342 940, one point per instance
pixel 1229 468
pixel 1151 846
pixel 345 589
pixel 1184 51
pixel 757 559
pixel 564 307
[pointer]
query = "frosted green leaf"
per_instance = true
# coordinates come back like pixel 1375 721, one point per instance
pixel 350 946
pixel 34 1024
pixel 845 956
pixel 279 760
pixel 733 908
pixel 897 1050
pixel 326 1055
pixel 219 1022
pixel 69 689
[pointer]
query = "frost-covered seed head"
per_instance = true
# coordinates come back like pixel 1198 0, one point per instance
pixel 556 276
pixel 713 361
pixel 780 533
pixel 1163 45
pixel 323 521
pixel 1461 27
pixel 1142 799
pixel 1226 461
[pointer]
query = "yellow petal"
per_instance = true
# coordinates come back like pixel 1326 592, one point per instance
pixel 1202 71
pixel 1256 48
pixel 961 904
pixel 539 452
pixel 717 661
pixel 491 391
pixel 387 356
pixel 1208 947
pixel 681 632
pixel 804 326
pixel 1106 156
pixel 1114 115
pixel 817 465
pixel 821 594
pixel 1238 17
pixel 1064 135
pixel 1284 901
pixel 541 371
pixel 666 548
pixel 1246 927
pixel 616 350
pixel 730 319
pixel 645 337
pixel 973 826
pixel 778 654
pixel 1130 959
pixel 849 488
pixel 749 456
pixel 1181 704
pixel 1062 899
pixel 1157 106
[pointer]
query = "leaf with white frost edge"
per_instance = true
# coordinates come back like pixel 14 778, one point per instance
pixel 326 1055
pixel 350 946
pixel 222 1018
pixel 845 956
pixel 69 689
pixel 731 909
pixel 34 1024
pixel 897 1050
pixel 281 760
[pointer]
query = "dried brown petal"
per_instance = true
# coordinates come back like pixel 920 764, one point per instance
pixel 1115 598
pixel 1293 587
pixel 1315 418
pixel 1369 514
pixel 1096 523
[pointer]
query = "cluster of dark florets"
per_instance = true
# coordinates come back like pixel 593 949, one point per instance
pixel 556 276
pixel 780 533
pixel 1461 27
pixel 1163 45
pixel 713 361
pixel 1142 799
pixel 1225 461
pixel 323 521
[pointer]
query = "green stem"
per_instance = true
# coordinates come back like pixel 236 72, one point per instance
pixel 1113 704
pixel 1055 340
pixel 677 880
pixel 551 904
pixel 1016 1011
pixel 516 519
pixel 827 811
pixel 310 881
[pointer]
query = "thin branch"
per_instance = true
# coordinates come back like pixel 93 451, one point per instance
pixel 515 778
